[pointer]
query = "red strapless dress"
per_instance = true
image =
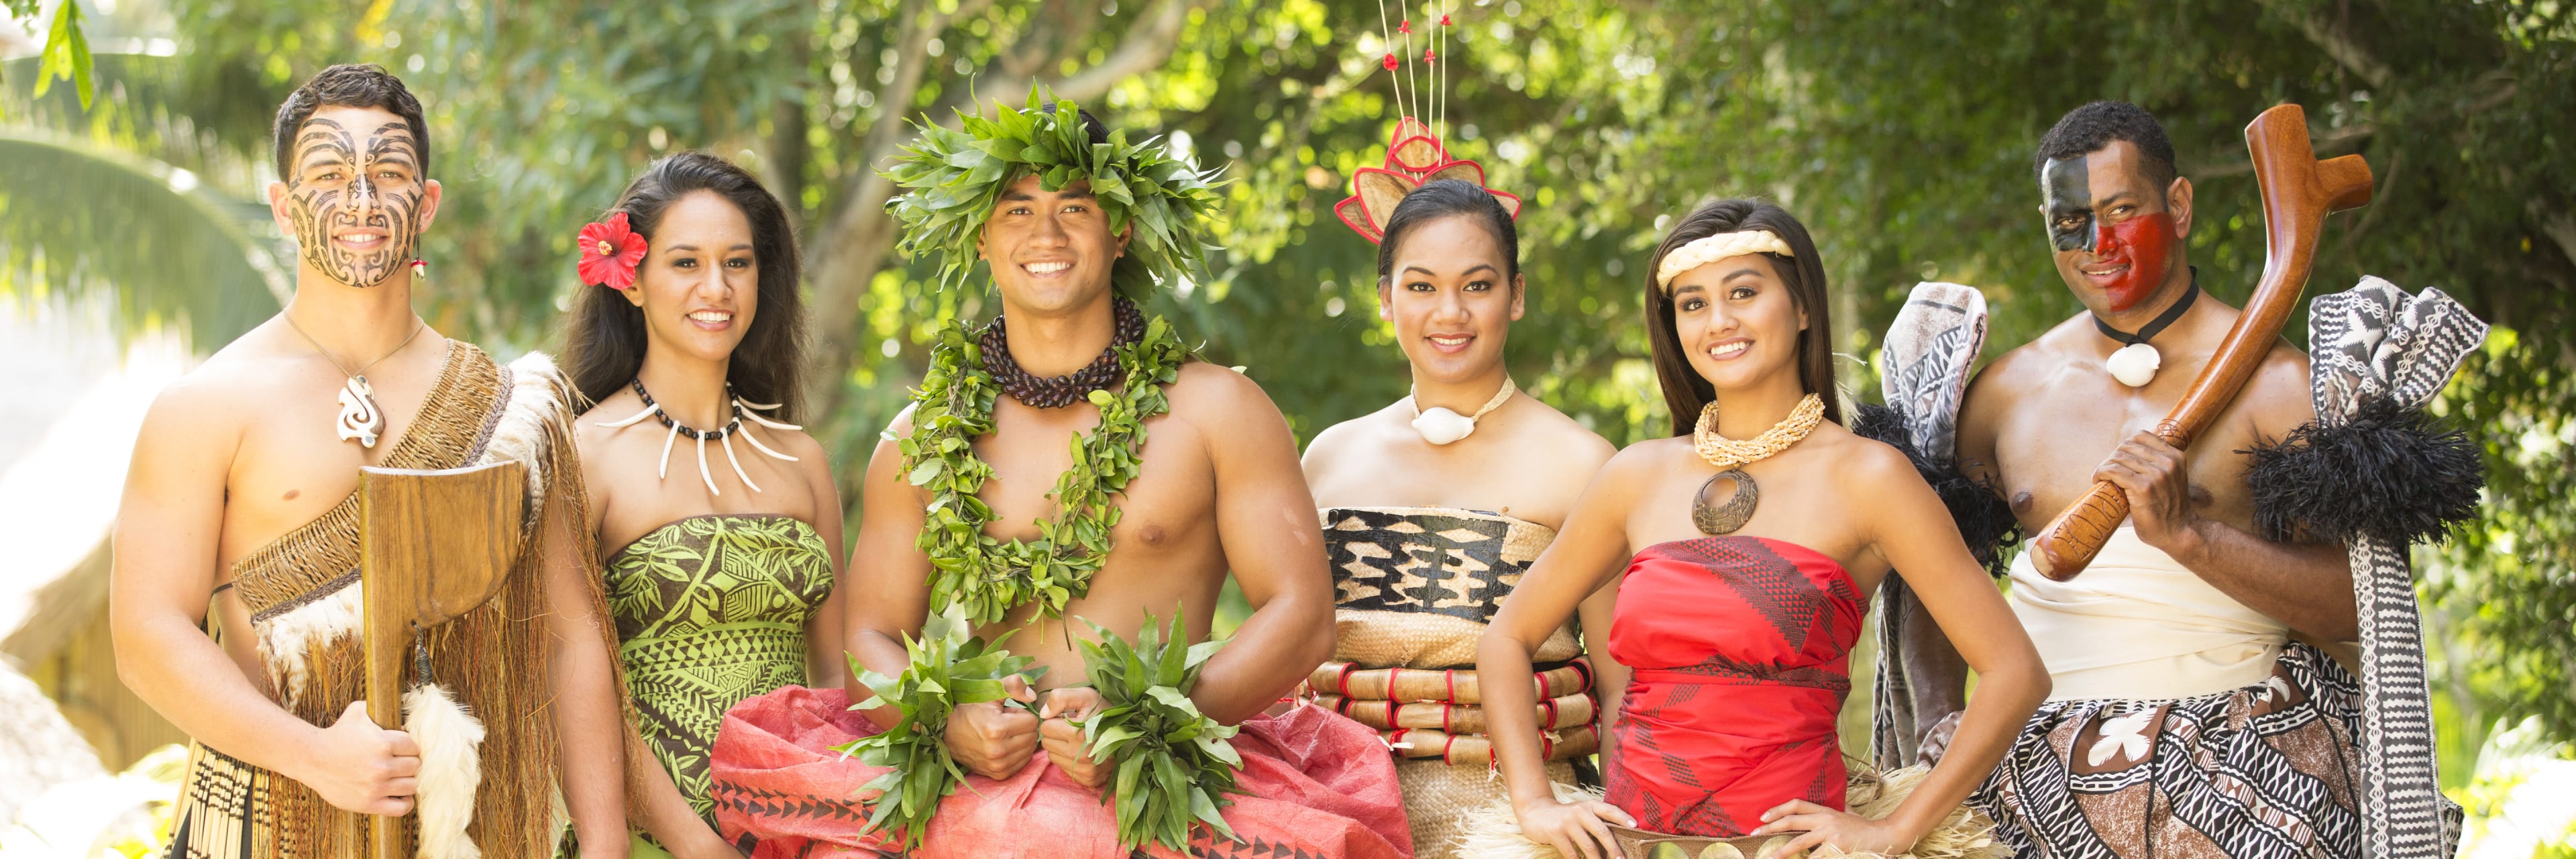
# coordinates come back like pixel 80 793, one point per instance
pixel 1740 649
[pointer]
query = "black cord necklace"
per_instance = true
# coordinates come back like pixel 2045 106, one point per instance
pixel 2135 364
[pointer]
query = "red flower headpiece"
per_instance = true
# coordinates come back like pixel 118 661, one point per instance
pixel 1413 156
pixel 610 252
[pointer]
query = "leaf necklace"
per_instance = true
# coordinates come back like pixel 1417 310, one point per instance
pixel 1732 456
pixel 359 417
pixel 989 576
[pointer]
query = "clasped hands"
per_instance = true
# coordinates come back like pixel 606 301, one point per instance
pixel 996 740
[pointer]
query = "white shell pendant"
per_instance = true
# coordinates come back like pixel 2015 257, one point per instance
pixel 2134 365
pixel 1442 426
pixel 359 417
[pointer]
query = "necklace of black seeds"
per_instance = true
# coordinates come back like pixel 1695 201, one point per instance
pixel 1067 389
pixel 730 427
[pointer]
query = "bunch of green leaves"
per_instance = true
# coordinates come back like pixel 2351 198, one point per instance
pixel 949 667
pixel 988 576
pixel 954 178
pixel 1174 764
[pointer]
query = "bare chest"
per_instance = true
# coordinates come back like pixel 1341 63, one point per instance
pixel 1795 501
pixel 2047 454
pixel 1502 477
pixel 291 466
pixel 1167 510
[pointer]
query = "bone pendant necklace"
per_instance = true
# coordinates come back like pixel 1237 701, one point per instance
pixel 1732 456
pixel 359 417
pixel 2135 364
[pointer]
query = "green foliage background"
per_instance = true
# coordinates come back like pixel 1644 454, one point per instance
pixel 1899 131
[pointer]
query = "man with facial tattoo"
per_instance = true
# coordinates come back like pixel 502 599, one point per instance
pixel 2194 712
pixel 236 607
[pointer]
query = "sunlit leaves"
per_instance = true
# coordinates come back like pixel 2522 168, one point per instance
pixel 949 667
pixel 1174 767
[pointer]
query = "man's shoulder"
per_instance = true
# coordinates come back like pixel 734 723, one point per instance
pixel 2279 395
pixel 239 377
pixel 1209 389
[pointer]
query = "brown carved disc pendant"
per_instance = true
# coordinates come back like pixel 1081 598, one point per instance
pixel 1725 518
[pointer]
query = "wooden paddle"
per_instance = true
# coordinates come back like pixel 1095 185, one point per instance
pixel 432 545
pixel 2298 192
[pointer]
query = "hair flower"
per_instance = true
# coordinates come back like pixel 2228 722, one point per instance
pixel 610 252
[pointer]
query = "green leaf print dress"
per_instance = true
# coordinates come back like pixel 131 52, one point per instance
pixel 711 610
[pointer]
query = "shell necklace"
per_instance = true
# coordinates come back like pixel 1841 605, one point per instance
pixel 723 435
pixel 359 417
pixel 2135 364
pixel 1732 455
pixel 1439 425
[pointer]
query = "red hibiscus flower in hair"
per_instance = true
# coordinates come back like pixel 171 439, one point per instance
pixel 610 252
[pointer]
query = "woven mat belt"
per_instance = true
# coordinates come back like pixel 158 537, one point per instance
pixel 1575 709
pixel 1451 686
pixel 1477 750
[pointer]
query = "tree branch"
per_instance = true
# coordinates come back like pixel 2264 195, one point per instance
pixel 2330 37
pixel 1149 41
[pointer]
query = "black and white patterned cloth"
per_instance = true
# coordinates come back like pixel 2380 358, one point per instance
pixel 2375 342
pixel 1924 374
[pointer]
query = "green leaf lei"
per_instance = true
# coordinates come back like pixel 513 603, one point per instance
pixel 949 667
pixel 955 404
pixel 954 178
pixel 1174 764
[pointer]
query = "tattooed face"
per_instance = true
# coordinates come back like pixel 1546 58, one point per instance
pixel 354 196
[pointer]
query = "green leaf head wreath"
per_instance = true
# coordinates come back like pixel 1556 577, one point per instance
pixel 953 179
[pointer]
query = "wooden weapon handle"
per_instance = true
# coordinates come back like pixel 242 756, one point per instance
pixel 432 545
pixel 2298 192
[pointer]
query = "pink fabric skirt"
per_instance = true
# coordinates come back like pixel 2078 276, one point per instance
pixel 1320 785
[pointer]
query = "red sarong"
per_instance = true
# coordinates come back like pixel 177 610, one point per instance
pixel 1320 786
pixel 1740 654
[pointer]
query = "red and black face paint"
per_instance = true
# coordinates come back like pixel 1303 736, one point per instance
pixel 343 186
pixel 2140 246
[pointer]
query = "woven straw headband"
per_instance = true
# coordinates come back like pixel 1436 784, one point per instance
pixel 1708 249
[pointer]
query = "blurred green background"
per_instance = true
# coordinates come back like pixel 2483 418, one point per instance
pixel 1899 131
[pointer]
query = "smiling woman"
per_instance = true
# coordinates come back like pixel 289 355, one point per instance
pixel 721 586
pixel 1454 489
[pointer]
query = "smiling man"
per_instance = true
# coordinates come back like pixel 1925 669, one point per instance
pixel 2191 712
pixel 236 605
pixel 1120 478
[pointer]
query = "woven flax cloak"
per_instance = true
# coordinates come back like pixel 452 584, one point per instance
pixel 303 595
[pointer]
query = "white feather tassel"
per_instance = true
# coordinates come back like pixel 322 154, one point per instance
pixel 450 770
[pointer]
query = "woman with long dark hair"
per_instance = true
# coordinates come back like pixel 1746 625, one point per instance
pixel 722 582
pixel 1743 549
pixel 1435 504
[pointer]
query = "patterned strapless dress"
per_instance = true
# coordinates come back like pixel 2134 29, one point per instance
pixel 1740 649
pixel 1415 588
pixel 711 610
